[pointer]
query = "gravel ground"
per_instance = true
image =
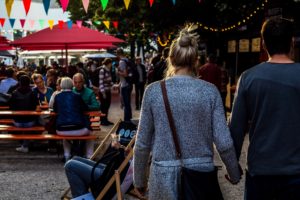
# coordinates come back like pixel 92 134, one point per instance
pixel 40 174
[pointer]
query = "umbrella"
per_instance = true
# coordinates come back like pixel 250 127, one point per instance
pixel 4 44
pixel 99 55
pixel 65 38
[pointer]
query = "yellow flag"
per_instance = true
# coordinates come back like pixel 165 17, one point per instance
pixel 126 3
pixel 8 4
pixel 106 23
pixel 51 22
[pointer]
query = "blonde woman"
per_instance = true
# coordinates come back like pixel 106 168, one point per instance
pixel 199 119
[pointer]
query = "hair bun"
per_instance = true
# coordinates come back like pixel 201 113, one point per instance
pixel 188 37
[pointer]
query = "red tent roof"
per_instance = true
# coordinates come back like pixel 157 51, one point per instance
pixel 5 44
pixel 66 36
pixel 70 46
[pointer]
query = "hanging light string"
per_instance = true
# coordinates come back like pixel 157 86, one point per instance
pixel 235 25
pixel 165 43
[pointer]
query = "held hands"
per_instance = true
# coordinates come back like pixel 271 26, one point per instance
pixel 140 192
pixel 234 182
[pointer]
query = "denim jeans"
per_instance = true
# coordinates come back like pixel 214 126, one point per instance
pixel 25 143
pixel 78 171
pixel 272 187
pixel 126 95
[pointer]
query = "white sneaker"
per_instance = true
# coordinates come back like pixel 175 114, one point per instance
pixel 22 149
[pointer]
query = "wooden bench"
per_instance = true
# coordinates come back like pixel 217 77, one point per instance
pixel 10 128
pixel 95 126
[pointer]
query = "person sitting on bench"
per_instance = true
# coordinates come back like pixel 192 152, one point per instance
pixel 23 99
pixel 71 120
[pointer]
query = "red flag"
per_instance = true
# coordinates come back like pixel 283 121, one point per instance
pixel 115 24
pixel 151 2
pixel 61 24
pixel 26 5
pixel 2 21
pixel 22 22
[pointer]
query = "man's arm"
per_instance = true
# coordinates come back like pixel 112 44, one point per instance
pixel 93 102
pixel 238 121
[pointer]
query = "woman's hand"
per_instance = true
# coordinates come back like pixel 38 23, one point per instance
pixel 140 192
pixel 234 182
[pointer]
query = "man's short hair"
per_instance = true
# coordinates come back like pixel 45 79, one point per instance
pixel 277 34
pixel 119 51
pixel 79 75
pixel 10 72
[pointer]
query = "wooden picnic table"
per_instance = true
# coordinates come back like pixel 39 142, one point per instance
pixel 43 112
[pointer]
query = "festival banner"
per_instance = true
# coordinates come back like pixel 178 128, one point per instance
pixel 46 5
pixel 26 4
pixel 126 2
pixel 104 4
pixel 85 5
pixel 8 4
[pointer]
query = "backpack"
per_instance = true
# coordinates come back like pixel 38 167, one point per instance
pixel 131 78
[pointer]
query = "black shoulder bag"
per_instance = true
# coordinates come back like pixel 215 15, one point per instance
pixel 194 184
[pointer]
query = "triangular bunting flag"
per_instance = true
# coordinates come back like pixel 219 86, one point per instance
pixel 64 4
pixel 26 4
pixel 115 24
pixel 70 24
pixel 174 2
pixel 8 4
pixel 89 22
pixel 126 2
pixel 12 22
pixel 46 5
pixel 22 22
pixel 79 23
pixel 85 4
pixel 51 22
pixel 104 4
pixel 2 21
pixel 31 23
pixel 97 22
pixel 61 24
pixel 106 23
pixel 151 2
pixel 42 23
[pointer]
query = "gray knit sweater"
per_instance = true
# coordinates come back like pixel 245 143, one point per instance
pixel 200 122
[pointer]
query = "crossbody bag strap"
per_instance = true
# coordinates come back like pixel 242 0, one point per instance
pixel 170 118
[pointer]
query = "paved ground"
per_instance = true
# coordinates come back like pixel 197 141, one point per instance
pixel 40 175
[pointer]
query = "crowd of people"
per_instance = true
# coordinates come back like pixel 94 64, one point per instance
pixel 265 106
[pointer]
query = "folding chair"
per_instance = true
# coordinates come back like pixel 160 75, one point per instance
pixel 98 153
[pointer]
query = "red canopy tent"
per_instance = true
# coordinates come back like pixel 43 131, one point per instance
pixel 5 44
pixel 66 38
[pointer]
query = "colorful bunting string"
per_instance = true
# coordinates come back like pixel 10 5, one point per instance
pixel 126 2
pixel 26 4
pixel 104 4
pixel 79 23
pixel 115 24
pixel 61 24
pixel 31 23
pixel 8 4
pixel 51 23
pixel 2 21
pixel 42 23
pixel 85 4
pixel 64 4
pixel 70 24
pixel 107 24
pixel 151 2
pixel 46 5
pixel 12 22
pixel 22 22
